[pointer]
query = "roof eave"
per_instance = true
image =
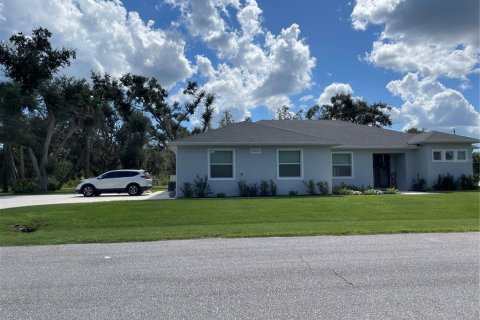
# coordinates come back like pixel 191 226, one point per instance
pixel 391 147
pixel 202 144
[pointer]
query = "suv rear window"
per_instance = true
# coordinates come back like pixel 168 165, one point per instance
pixel 126 174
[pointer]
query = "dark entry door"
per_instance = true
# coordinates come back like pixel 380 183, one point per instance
pixel 381 170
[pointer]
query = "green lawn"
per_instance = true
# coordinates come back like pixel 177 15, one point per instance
pixel 258 217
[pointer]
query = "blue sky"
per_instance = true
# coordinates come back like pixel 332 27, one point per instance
pixel 421 57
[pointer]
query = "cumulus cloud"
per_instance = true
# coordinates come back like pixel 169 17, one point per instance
pixel 429 104
pixel 331 90
pixel 435 37
pixel 253 66
pixel 107 37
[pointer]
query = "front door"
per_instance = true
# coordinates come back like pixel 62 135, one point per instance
pixel 381 170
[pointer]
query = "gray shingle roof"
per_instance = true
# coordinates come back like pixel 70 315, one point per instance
pixel 248 133
pixel 435 136
pixel 336 133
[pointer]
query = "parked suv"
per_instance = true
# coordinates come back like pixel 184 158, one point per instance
pixel 134 182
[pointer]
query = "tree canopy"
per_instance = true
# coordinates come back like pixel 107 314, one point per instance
pixel 345 107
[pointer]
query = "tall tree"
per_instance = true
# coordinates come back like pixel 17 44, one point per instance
pixel 31 63
pixel 226 119
pixel 284 113
pixel 344 107
pixel 148 95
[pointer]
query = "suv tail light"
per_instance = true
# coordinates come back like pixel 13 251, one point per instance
pixel 146 175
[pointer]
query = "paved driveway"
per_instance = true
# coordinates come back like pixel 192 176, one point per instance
pixel 35 200
pixel 412 276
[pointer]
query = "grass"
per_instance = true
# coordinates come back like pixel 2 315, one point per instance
pixel 255 217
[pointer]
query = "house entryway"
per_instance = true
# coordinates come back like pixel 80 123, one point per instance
pixel 382 177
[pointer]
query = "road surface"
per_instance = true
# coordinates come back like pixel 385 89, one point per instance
pixel 411 276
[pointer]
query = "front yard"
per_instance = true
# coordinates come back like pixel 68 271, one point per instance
pixel 256 217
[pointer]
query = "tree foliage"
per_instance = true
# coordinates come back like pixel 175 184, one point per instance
pixel 226 119
pixel 344 107
pixel 67 128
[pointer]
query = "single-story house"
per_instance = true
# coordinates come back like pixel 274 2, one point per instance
pixel 290 152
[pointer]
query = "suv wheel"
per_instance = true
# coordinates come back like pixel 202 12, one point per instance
pixel 88 190
pixel 134 189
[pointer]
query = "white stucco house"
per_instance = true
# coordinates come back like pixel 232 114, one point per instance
pixel 290 152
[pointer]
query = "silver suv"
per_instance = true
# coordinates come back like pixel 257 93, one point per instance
pixel 134 182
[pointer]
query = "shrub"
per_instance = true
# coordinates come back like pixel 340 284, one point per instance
pixel 465 182
pixel 273 188
pixel 391 191
pixel 264 188
pixel 372 192
pixel 345 189
pixel 418 184
pixel 310 184
pixel 201 187
pixel 292 193
pixel 322 187
pixel 187 190
pixel 26 186
pixel 445 182
pixel 252 190
pixel 221 195
pixel 243 188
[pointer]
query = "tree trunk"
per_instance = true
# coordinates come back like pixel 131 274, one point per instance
pixel 5 169
pixel 72 170
pixel 35 165
pixel 42 166
pixel 21 152
pixel 88 172
pixel 12 170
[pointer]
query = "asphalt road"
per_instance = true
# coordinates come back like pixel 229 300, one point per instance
pixel 414 276
pixel 42 199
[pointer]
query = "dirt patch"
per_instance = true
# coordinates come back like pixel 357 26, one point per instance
pixel 24 228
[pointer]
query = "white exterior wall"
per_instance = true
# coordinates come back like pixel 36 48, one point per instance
pixel 193 161
pixel 431 169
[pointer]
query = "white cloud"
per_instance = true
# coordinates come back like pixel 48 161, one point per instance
pixel 435 37
pixel 332 90
pixel 306 98
pixel 255 67
pixel 429 104
pixel 107 37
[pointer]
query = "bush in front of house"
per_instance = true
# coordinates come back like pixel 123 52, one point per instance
pixel 201 187
pixel 264 188
pixel 466 182
pixel 445 183
pixel 419 184
pixel 187 190
pixel 310 185
pixel 323 187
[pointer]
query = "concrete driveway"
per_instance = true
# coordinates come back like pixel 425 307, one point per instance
pixel 35 200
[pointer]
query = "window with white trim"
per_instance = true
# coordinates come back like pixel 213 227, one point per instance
pixel 342 165
pixel 449 155
pixel 221 163
pixel 290 163
pixel 461 155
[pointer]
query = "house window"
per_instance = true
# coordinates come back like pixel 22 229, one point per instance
pixel 437 155
pixel 449 155
pixel 289 163
pixel 342 165
pixel 221 164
